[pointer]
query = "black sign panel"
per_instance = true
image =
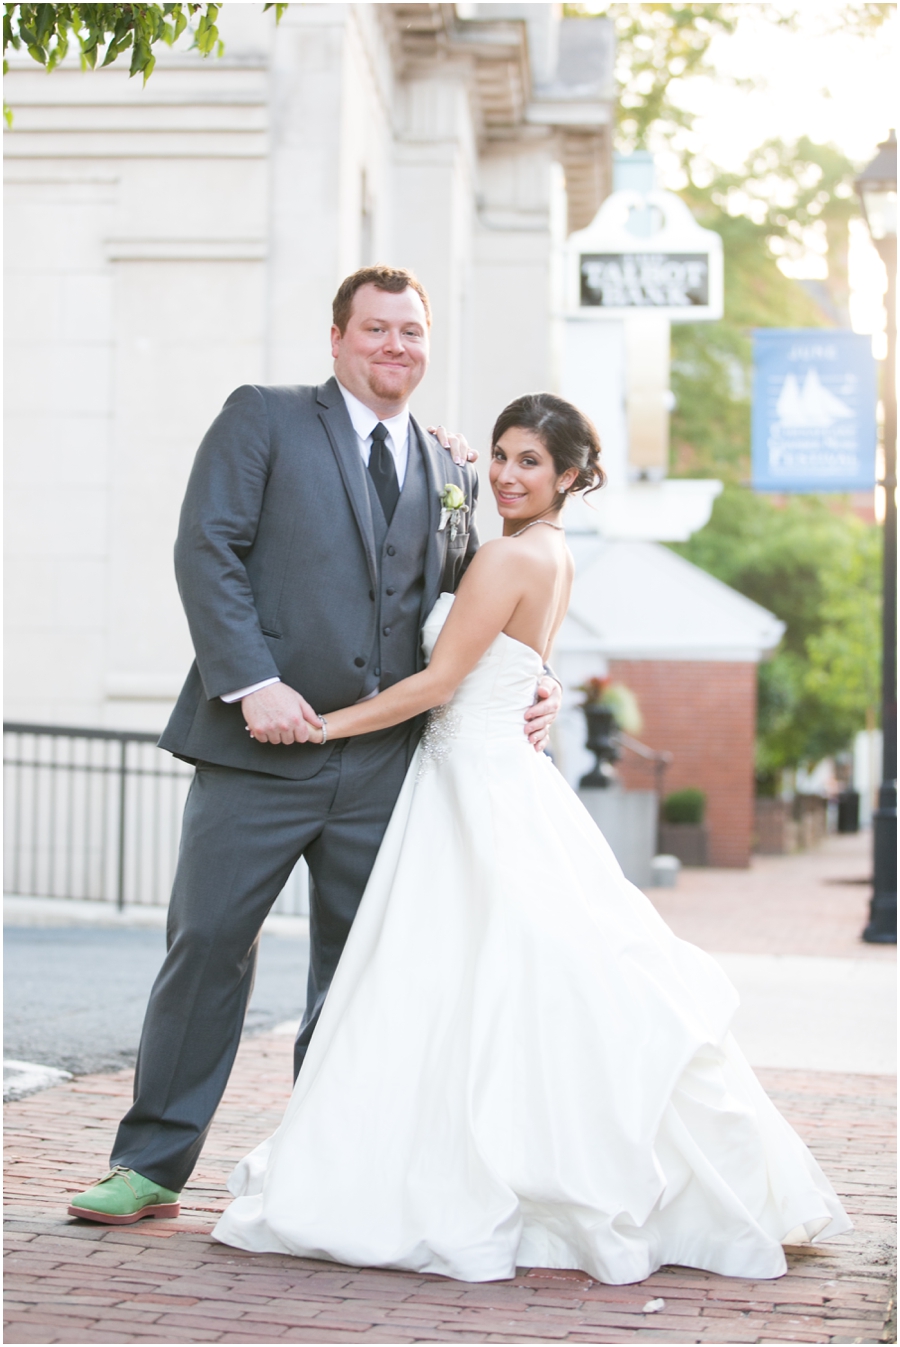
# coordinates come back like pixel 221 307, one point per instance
pixel 644 280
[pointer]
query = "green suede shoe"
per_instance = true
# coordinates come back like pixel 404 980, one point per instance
pixel 123 1197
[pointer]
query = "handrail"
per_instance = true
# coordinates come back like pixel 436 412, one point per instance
pixel 655 758
pixel 643 750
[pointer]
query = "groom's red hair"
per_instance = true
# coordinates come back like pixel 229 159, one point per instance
pixel 393 279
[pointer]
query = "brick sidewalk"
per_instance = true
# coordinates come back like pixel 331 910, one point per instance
pixel 165 1281
pixel 815 903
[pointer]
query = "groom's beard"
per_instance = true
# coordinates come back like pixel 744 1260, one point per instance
pixel 396 386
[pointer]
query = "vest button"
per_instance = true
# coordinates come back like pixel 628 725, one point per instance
pixel 359 661
pixel 377 673
pixel 390 593
pixel 386 631
pixel 391 551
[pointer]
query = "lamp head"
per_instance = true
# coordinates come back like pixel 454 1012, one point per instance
pixel 877 188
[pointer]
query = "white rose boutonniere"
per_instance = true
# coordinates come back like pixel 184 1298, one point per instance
pixel 453 507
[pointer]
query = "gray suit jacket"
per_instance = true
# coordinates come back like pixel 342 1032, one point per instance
pixel 277 567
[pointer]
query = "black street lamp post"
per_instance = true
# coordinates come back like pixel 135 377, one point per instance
pixel 877 188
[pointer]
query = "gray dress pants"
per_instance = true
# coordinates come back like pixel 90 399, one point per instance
pixel 243 833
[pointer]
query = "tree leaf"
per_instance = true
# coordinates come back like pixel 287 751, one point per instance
pixel 45 23
pixel 45 30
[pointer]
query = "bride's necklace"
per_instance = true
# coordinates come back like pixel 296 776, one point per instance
pixel 549 522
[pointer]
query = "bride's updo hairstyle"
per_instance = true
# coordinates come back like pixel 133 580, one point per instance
pixel 569 437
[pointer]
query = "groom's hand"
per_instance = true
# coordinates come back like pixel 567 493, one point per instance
pixel 456 444
pixel 540 717
pixel 278 715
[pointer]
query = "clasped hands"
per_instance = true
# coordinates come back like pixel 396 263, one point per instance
pixel 279 715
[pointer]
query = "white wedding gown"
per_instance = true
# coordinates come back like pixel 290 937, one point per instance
pixel 518 1063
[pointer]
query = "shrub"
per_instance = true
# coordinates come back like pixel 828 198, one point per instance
pixel 685 806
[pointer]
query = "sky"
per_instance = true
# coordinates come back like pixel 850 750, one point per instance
pixel 823 84
pixel 812 82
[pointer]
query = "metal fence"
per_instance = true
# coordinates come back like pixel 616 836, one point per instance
pixel 96 815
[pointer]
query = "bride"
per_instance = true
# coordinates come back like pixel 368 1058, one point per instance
pixel 518 1062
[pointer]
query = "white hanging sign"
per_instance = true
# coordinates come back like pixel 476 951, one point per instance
pixel 672 268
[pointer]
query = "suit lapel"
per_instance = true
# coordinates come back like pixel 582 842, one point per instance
pixel 342 437
pixel 436 476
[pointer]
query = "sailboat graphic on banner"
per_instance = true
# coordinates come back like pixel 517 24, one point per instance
pixel 810 407
pixel 814 399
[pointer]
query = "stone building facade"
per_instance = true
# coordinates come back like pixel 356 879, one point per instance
pixel 166 244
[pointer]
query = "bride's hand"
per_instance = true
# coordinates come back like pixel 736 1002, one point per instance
pixel 316 734
pixel 456 444
pixel 540 716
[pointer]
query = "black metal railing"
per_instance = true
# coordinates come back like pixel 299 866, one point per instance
pixel 656 760
pixel 96 815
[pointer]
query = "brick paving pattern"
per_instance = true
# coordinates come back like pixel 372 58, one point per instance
pixel 814 903
pixel 167 1281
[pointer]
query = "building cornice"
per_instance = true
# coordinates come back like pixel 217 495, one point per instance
pixel 491 55
pixel 493 52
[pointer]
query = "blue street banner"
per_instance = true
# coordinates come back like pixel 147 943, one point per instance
pixel 814 401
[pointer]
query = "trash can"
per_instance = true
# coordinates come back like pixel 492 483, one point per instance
pixel 848 811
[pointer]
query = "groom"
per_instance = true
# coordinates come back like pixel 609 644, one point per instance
pixel 309 552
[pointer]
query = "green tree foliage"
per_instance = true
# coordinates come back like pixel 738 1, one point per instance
pixel 47 31
pixel 786 199
pixel 817 567
pixel 657 45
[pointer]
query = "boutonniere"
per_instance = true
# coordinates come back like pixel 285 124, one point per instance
pixel 453 507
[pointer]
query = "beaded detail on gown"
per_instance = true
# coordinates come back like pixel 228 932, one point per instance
pixel 518 1063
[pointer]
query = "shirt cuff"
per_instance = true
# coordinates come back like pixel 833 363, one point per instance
pixel 230 697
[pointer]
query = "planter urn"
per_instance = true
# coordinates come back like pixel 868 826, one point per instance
pixel 601 726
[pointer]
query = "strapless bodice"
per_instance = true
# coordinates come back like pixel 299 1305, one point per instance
pixel 491 701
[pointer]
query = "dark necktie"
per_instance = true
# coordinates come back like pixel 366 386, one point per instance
pixel 383 472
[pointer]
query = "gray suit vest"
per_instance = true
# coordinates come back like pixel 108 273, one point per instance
pixel 400 556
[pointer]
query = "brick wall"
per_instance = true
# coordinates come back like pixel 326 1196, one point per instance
pixel 704 713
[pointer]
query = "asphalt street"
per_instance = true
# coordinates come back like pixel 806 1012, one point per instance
pixel 74 997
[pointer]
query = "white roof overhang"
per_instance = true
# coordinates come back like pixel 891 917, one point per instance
pixel 639 600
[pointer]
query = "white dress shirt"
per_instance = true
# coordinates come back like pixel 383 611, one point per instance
pixel 364 421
